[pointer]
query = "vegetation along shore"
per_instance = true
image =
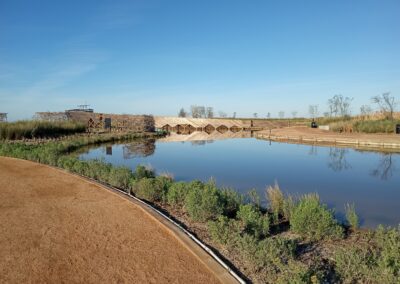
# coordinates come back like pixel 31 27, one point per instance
pixel 296 239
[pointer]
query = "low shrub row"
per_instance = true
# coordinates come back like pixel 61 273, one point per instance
pixel 28 129
pixel 365 126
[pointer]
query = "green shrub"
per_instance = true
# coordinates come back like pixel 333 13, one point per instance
pixel 253 221
pixel 204 203
pixel 388 241
pixel 150 189
pixel 375 126
pixel 177 193
pixel 224 230
pixel 120 177
pixel 351 216
pixel 354 265
pixel 231 201
pixel 143 172
pixel 313 220
pixel 276 200
pixel 271 254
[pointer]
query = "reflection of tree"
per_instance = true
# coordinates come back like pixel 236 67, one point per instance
pixel 385 168
pixel 140 148
pixel 313 151
pixel 338 160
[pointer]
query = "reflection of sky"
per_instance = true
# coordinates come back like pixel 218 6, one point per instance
pixel 338 175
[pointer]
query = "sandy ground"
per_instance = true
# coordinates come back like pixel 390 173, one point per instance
pixel 55 227
pixel 322 136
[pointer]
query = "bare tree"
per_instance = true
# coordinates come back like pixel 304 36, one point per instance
pixel 313 111
pixel 210 112
pixel 339 105
pixel 269 115
pixel 234 115
pixel 386 103
pixel 182 113
pixel 294 114
pixel 255 115
pixel 365 110
pixel 281 114
pixel 222 114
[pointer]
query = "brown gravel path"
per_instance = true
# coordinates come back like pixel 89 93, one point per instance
pixel 56 227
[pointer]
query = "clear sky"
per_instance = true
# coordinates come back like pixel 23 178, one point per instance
pixel 157 56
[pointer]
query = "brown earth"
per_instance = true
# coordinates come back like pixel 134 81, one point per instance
pixel 56 227
pixel 308 135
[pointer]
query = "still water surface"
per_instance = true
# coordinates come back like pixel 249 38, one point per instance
pixel 370 180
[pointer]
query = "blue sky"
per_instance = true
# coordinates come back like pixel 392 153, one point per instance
pixel 157 56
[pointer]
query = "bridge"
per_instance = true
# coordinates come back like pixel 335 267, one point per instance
pixel 209 125
pixel 189 125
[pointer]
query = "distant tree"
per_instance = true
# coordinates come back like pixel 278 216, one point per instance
pixel 281 114
pixel 255 115
pixel 222 114
pixel 313 111
pixel 326 114
pixel 198 111
pixel 210 112
pixel 182 113
pixel 386 103
pixel 294 113
pixel 339 105
pixel 268 115
pixel 234 115
pixel 365 110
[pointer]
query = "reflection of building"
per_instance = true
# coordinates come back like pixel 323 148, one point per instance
pixel 140 148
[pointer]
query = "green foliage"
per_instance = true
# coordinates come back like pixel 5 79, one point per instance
pixel 28 129
pixel 313 220
pixel 150 189
pixel 253 221
pixel 276 200
pixel 224 230
pixel 375 126
pixel 388 241
pixel 177 193
pixel 351 216
pixel 120 177
pixel 271 254
pixel 231 201
pixel 204 202
pixel 143 172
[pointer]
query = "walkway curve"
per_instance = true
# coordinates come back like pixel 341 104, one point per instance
pixel 57 227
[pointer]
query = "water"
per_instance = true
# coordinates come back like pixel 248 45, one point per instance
pixel 370 180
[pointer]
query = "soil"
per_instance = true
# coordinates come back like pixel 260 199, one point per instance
pixel 56 227
pixel 300 134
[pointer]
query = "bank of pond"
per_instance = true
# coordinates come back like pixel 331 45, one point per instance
pixel 290 239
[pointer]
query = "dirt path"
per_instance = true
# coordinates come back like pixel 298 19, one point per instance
pixel 56 227
pixel 308 135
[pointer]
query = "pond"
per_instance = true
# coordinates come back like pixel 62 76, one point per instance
pixel 370 180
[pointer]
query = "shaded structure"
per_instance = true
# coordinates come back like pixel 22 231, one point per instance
pixel 3 116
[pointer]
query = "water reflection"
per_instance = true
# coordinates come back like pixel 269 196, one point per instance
pixel 338 161
pixel 385 168
pixel 139 149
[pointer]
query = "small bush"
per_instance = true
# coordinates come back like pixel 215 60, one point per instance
pixel 253 221
pixel 205 203
pixel 224 230
pixel 149 189
pixel 276 200
pixel 388 241
pixel 120 177
pixel 143 172
pixel 313 220
pixel 354 265
pixel 351 216
pixel 231 201
pixel 177 193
